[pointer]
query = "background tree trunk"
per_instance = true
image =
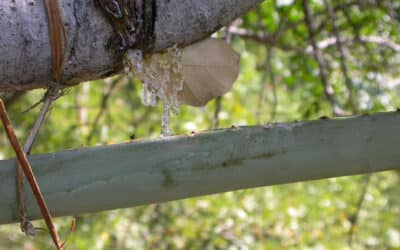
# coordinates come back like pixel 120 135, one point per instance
pixel 25 61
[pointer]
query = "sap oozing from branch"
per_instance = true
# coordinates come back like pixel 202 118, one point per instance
pixel 161 75
pixel 207 68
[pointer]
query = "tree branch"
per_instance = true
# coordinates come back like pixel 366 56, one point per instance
pixel 25 61
pixel 26 167
pixel 144 172
pixel 267 39
pixel 355 216
pixel 323 74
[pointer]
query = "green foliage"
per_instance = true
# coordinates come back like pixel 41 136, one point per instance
pixel 309 215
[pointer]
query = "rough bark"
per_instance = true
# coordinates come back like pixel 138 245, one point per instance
pixel 25 61
pixel 143 172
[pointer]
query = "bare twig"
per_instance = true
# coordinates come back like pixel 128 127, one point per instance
pixel 264 38
pixel 320 59
pixel 218 100
pixel 50 96
pixel 355 216
pixel 261 98
pixel 379 40
pixel 26 225
pixel 13 97
pixel 274 108
pixel 103 106
pixel 342 57
pixel 218 105
pixel 268 71
pixel 71 231
pixel 23 161
pixel 267 39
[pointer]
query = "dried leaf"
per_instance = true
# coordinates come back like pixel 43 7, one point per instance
pixel 210 67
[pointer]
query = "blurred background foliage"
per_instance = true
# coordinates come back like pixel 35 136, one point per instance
pixel 300 60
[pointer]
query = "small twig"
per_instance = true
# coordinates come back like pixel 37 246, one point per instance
pixel 320 59
pixel 355 27
pixel 48 100
pixel 71 230
pixel 274 102
pixel 218 100
pixel 23 161
pixel 54 92
pixel 218 106
pixel 15 96
pixel 342 57
pixel 355 216
pixel 267 72
pixel 103 106
pixel 26 225
pixel 142 118
pixel 268 40
pixel 33 106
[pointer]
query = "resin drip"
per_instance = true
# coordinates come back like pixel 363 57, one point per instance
pixel 161 75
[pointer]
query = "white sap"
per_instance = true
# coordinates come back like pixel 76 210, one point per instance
pixel 161 75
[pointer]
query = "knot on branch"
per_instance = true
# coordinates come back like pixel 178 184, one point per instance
pixel 132 21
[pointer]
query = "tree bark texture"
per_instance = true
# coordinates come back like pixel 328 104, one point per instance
pixel 143 172
pixel 25 54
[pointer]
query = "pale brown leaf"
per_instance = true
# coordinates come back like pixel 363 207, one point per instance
pixel 210 67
